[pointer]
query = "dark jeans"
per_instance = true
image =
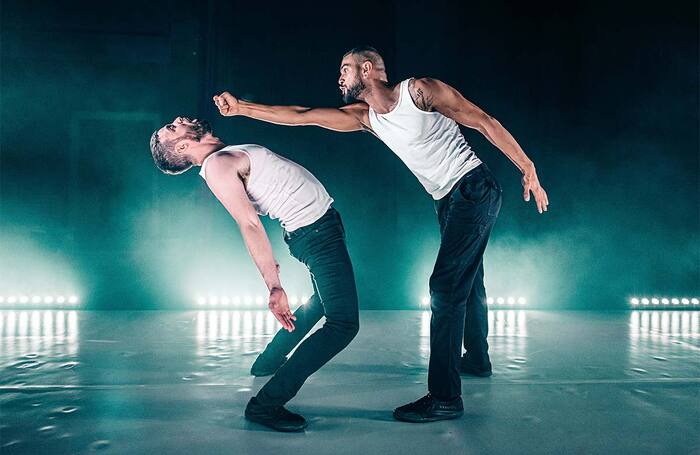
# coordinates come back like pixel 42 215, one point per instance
pixel 457 295
pixel 321 247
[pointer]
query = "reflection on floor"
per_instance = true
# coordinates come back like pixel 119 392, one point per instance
pixel 656 325
pixel 177 382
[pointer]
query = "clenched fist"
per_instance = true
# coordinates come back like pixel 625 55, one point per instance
pixel 227 104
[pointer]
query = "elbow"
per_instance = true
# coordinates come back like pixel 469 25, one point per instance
pixel 486 123
pixel 301 116
pixel 250 224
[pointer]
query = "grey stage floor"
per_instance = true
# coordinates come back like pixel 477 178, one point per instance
pixel 177 382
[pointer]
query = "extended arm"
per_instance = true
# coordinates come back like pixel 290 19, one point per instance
pixel 222 178
pixel 432 94
pixel 344 119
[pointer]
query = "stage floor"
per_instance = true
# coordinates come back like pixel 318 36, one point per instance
pixel 177 382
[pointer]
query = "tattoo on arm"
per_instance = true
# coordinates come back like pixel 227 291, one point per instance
pixel 424 101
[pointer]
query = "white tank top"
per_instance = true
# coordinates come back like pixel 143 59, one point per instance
pixel 280 188
pixel 430 144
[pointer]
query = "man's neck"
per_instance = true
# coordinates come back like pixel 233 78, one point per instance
pixel 381 97
pixel 207 149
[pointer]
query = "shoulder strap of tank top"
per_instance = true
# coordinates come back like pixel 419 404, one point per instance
pixel 203 169
pixel 404 94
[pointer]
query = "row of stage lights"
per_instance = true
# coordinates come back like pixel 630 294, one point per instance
pixel 244 301
pixel 39 299
pixel 498 301
pixel 665 302
pixel 260 302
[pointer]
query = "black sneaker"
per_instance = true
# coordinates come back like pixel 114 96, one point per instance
pixel 264 366
pixel 430 409
pixel 466 366
pixel 275 417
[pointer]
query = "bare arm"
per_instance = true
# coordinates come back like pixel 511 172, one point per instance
pixel 344 119
pixel 432 94
pixel 222 178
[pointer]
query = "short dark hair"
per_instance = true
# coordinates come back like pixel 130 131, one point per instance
pixel 165 157
pixel 368 53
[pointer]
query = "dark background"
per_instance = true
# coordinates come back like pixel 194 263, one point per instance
pixel 603 98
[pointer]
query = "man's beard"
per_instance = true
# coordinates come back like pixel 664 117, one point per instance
pixel 352 94
pixel 200 128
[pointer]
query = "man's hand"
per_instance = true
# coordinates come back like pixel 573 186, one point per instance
pixel 227 104
pixel 280 308
pixel 531 184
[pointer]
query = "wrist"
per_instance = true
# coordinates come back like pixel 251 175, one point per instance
pixel 272 279
pixel 243 108
pixel 528 168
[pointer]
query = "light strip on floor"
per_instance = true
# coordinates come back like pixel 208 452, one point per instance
pixel 665 303
pixel 43 300
pixel 242 301
pixel 505 302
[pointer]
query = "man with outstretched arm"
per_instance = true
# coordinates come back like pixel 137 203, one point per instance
pixel 418 120
pixel 250 180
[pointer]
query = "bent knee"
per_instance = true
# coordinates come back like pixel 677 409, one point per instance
pixel 345 330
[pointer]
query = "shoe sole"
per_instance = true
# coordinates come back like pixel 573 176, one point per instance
pixel 277 428
pixel 263 374
pixel 427 419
